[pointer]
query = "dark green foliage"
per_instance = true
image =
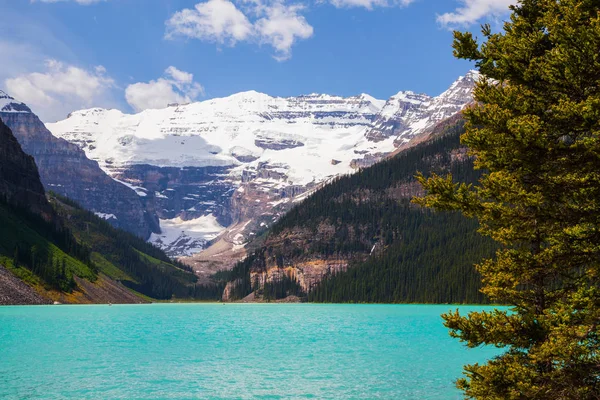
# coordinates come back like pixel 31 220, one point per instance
pixel 432 262
pixel 47 249
pixel 280 289
pixel 85 217
pixel 535 129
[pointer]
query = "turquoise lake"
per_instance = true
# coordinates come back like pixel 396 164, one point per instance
pixel 232 351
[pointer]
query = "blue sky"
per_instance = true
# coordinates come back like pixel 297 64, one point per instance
pixel 62 55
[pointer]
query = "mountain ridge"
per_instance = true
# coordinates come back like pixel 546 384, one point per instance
pixel 244 159
pixel 53 250
pixel 359 238
pixel 64 168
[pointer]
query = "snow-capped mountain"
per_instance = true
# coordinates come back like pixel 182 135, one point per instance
pixel 243 130
pixel 244 158
pixel 408 114
pixel 9 105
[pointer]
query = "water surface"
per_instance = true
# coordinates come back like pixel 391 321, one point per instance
pixel 232 351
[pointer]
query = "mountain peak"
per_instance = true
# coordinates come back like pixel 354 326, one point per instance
pixel 248 95
pixel 410 96
pixel 367 97
pixel 472 74
pixel 8 104
pixel 88 112
pixel 468 80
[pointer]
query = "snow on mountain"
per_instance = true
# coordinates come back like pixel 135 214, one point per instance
pixel 217 132
pixel 185 238
pixel 192 159
pixel 408 114
pixel 9 105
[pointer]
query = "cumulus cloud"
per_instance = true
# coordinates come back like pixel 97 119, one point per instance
pixel 216 20
pixel 175 86
pixel 273 23
pixel 60 89
pixel 472 11
pixel 370 4
pixel 281 27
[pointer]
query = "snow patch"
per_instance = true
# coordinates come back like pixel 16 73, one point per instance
pixel 105 216
pixel 185 238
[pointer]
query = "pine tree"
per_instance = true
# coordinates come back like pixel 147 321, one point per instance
pixel 536 132
pixel 34 253
pixel 16 259
pixel 55 272
pixel 63 268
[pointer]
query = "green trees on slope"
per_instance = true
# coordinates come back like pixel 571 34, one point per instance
pixel 45 248
pixel 75 242
pixel 144 268
pixel 431 262
pixel 536 130
pixel 398 252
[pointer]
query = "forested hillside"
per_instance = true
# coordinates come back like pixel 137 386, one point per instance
pixel 359 239
pixel 63 252
pixel 125 257
pixel 50 256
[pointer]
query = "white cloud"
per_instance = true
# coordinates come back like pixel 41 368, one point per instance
pixel 175 86
pixel 281 27
pixel 215 20
pixel 179 76
pixel 370 4
pixel 274 23
pixel 60 89
pixel 472 11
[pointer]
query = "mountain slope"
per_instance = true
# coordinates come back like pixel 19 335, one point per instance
pixel 230 166
pixel 58 251
pixel 359 239
pixel 65 169
pixel 19 179
pixel 127 258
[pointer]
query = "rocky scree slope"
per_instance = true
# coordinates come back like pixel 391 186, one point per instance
pixel 230 167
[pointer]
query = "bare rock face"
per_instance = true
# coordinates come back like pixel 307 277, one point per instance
pixel 227 293
pixel 270 144
pixel 306 273
pixel 189 192
pixel 19 180
pixel 65 169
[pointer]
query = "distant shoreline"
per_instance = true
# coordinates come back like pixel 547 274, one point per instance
pixel 256 303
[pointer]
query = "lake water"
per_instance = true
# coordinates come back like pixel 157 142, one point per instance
pixel 232 351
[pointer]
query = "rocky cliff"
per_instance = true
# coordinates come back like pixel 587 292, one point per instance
pixel 360 239
pixel 19 179
pixel 65 169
